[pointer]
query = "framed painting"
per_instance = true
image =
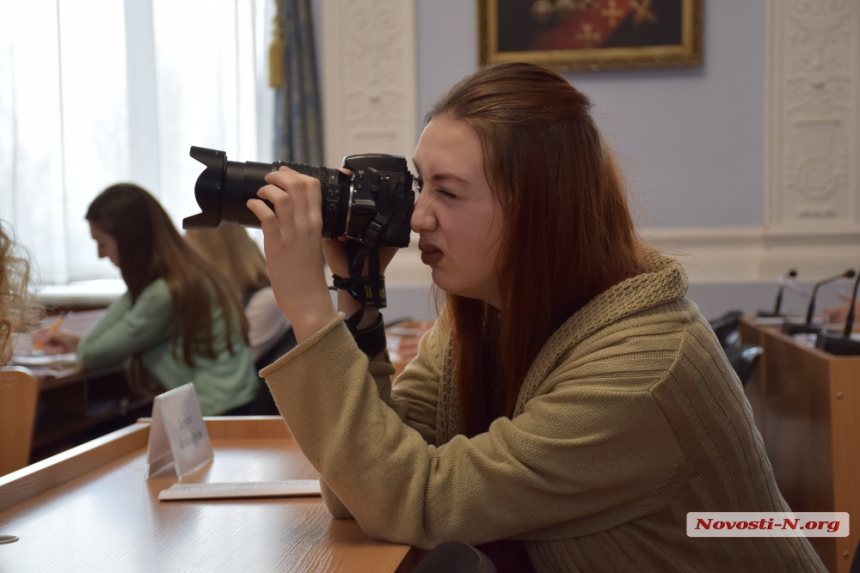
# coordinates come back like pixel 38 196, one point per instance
pixel 591 34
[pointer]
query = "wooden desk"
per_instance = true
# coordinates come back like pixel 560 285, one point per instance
pixel 78 407
pixel 75 405
pixel 51 377
pixel 402 338
pixel 807 407
pixel 89 509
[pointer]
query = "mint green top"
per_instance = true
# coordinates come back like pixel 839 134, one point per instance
pixel 223 383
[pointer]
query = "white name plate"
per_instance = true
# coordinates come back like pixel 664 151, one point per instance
pixel 288 488
pixel 178 436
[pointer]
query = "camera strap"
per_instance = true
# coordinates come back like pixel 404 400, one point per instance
pixel 367 291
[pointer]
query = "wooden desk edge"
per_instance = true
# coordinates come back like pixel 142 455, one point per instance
pixel 776 332
pixel 33 480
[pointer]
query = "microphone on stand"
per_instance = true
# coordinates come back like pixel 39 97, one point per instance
pixel 843 345
pixel 807 327
pixel 777 307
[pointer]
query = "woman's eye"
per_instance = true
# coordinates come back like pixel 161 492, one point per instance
pixel 418 187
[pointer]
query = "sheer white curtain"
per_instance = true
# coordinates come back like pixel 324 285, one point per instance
pixel 93 92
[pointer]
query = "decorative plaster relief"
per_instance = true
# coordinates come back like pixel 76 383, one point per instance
pixel 812 142
pixel 371 88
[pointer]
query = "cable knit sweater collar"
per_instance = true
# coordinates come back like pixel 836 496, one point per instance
pixel 665 282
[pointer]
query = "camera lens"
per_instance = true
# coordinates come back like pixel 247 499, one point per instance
pixel 373 206
pixel 223 189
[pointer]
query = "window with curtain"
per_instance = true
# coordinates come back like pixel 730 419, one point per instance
pixel 93 92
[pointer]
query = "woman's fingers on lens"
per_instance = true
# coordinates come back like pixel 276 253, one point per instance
pixel 314 194
pixel 270 192
pixel 289 180
pixel 305 192
pixel 267 218
pixel 281 199
pixel 297 201
pixel 304 189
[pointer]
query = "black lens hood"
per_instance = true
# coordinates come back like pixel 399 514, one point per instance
pixel 208 189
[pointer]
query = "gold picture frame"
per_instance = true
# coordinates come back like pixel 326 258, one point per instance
pixel 591 35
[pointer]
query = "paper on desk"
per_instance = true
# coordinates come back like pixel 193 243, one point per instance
pixel 288 488
pixel 52 360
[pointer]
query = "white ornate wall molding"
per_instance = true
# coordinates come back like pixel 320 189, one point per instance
pixel 812 155
pixel 812 185
pixel 712 255
pixel 757 254
pixel 811 148
pixel 369 77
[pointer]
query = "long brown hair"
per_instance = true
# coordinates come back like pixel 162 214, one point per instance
pixel 150 248
pixel 236 256
pixel 568 234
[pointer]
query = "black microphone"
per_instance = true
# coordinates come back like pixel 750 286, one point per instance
pixel 808 327
pixel 842 345
pixel 777 307
pixel 849 319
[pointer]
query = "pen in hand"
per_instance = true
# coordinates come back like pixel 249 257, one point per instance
pixel 40 343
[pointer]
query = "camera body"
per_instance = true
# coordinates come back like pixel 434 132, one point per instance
pixel 373 206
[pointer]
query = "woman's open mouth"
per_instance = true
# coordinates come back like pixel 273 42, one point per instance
pixel 431 258
pixel 430 254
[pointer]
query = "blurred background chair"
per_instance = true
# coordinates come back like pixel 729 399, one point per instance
pixel 264 403
pixel 727 328
pixel 19 392
pixel 455 557
pixel 742 357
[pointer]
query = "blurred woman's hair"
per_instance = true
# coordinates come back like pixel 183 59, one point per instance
pixel 19 311
pixel 235 254
pixel 150 248
pixel 568 234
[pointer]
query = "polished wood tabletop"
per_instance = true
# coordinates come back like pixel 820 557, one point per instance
pixel 90 509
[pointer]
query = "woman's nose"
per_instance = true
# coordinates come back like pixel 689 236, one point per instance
pixel 422 217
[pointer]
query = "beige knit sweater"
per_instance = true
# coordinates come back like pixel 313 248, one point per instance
pixel 629 418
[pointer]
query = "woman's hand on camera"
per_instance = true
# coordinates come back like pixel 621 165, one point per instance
pixel 293 243
pixel 338 262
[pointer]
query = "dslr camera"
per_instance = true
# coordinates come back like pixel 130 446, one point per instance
pixel 373 206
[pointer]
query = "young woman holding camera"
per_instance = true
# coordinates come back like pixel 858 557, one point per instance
pixel 568 400
pixel 178 320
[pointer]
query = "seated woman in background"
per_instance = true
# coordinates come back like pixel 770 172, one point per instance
pixel 235 254
pixel 239 259
pixel 18 309
pixel 570 401
pixel 839 314
pixel 178 319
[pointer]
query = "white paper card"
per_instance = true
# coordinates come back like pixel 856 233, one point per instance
pixel 178 435
pixel 288 488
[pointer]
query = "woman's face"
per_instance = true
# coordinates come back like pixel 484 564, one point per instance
pixel 457 215
pixel 107 246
